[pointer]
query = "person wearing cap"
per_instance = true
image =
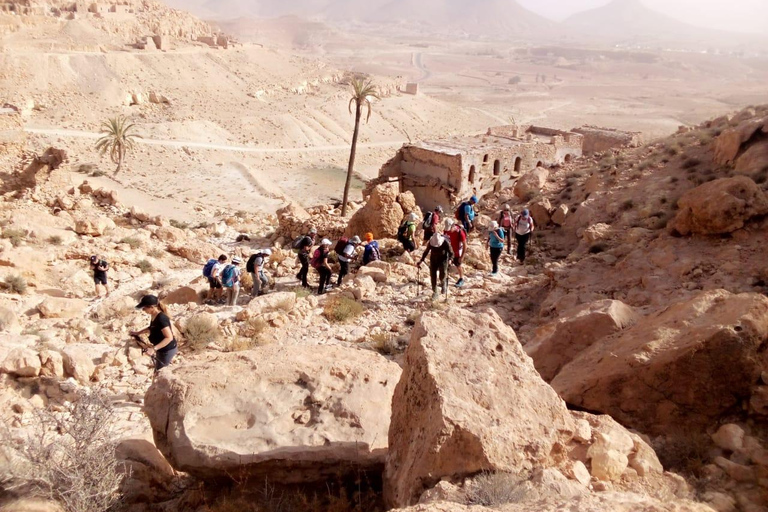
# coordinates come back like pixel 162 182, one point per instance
pixel 440 254
pixel 496 244
pixel 257 262
pixel 466 214
pixel 432 222
pixel 371 251
pixel 505 222
pixel 458 237
pixel 406 234
pixel 164 345
pixel 100 267
pixel 321 264
pixel 230 281
pixel 523 227
pixel 347 256
pixel 305 247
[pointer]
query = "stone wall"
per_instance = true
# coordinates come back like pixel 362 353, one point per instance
pixel 598 139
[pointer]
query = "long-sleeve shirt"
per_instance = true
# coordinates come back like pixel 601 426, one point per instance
pixel 438 255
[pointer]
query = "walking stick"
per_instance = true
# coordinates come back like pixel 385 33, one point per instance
pixel 418 280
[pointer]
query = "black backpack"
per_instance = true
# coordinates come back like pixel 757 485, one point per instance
pixel 250 265
pixel 401 231
pixel 427 224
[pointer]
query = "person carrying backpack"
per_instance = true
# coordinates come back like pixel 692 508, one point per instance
pixel 496 244
pixel 431 222
pixel 523 228
pixel 407 231
pixel 100 268
pixel 304 247
pixel 458 237
pixel 211 271
pixel 505 223
pixel 371 251
pixel 346 256
pixel 255 266
pixel 230 281
pixel 320 262
pixel 440 255
pixel 164 345
pixel 465 214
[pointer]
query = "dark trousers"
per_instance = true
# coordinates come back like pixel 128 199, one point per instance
pixel 325 278
pixel 409 245
pixel 428 234
pixel 508 235
pixel 521 241
pixel 302 275
pixel 343 271
pixel 495 255
pixel 438 271
pixel 163 358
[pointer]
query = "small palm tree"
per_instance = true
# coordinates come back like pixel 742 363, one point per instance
pixel 363 91
pixel 117 139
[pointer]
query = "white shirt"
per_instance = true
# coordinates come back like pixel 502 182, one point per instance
pixel 347 253
pixel 217 268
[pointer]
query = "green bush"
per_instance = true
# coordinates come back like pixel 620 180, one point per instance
pixel 145 266
pixel 342 309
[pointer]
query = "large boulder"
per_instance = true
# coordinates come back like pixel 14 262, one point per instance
pixel 469 400
pixel 531 183
pixel 719 207
pixel 21 362
pixel 754 160
pixel 558 342
pixel 286 413
pixel 269 302
pixel 56 307
pixel 729 143
pixel 381 215
pixel 196 252
pixel 686 365
pixel 80 359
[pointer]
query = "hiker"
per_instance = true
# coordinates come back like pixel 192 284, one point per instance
pixel 255 267
pixel 320 262
pixel 458 237
pixel 230 281
pixel 465 214
pixel 371 251
pixel 441 255
pixel 164 345
pixel 346 256
pixel 431 222
pixel 505 222
pixel 100 268
pixel 304 247
pixel 406 232
pixel 496 243
pixel 212 271
pixel 523 228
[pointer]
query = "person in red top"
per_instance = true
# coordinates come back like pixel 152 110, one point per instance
pixel 506 222
pixel 432 223
pixel 458 237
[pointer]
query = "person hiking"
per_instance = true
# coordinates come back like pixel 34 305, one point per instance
pixel 440 254
pixel 304 246
pixel 212 271
pixel 347 256
pixel 320 262
pixel 164 345
pixel 505 222
pixel 255 267
pixel 465 214
pixel 371 251
pixel 100 268
pixel 407 231
pixel 458 237
pixel 230 281
pixel 496 243
pixel 431 223
pixel 523 227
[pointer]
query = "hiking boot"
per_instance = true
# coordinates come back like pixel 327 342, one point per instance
pixel 460 283
pixel 435 295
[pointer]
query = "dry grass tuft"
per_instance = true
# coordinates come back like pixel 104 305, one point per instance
pixel 15 236
pixel 202 330
pixel 15 283
pixel 342 309
pixel 495 489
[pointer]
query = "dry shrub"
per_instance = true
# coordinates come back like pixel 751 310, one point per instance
pixel 145 266
pixel 156 253
pixel 285 305
pixel 240 343
pixel 246 281
pixel 384 343
pixel 69 459
pixel 494 489
pixel 15 236
pixel 302 292
pixel 55 240
pixel 132 242
pixel 251 335
pixel 342 309
pixel 15 283
pixel 202 330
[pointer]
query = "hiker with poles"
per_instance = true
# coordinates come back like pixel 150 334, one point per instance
pixel 441 253
pixel 523 228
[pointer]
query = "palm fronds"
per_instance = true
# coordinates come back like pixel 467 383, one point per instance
pixel 363 91
pixel 117 139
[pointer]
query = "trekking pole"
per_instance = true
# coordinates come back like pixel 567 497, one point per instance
pixel 418 280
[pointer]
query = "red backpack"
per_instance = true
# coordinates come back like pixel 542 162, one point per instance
pixel 316 257
pixel 341 245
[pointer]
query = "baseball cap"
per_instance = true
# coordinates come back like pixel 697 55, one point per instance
pixel 147 301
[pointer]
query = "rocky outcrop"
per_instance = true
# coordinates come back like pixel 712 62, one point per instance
pixel 383 213
pixel 719 207
pixel 730 142
pixel 754 160
pixel 675 368
pixel 55 307
pixel 531 183
pixel 94 226
pixel 469 400
pixel 290 414
pixel 558 343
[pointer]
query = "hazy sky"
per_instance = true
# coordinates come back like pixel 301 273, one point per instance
pixel 736 15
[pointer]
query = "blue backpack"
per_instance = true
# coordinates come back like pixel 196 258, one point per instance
pixel 208 268
pixel 228 276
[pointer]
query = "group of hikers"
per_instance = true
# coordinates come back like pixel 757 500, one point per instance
pixel 444 247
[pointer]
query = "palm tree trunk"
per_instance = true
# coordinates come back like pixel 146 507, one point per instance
pixel 358 113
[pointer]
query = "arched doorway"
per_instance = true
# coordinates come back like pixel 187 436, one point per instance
pixel 568 158
pixel 472 174
pixel 539 164
pixel 518 165
pixel 496 167
pixel 485 159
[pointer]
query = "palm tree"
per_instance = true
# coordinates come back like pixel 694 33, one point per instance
pixel 363 91
pixel 117 139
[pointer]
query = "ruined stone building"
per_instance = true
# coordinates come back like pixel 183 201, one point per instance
pixel 597 139
pixel 447 171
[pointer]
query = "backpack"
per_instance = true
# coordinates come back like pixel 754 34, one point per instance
pixel 402 232
pixel 461 211
pixel 103 263
pixel 228 276
pixel 296 245
pixel 341 245
pixel 316 257
pixel 427 224
pixel 250 265
pixel 371 253
pixel 208 268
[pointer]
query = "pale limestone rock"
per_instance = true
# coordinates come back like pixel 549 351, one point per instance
pixel 56 307
pixel 284 301
pixel 729 437
pixel 531 183
pixel 560 214
pixel 21 362
pixel 377 274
